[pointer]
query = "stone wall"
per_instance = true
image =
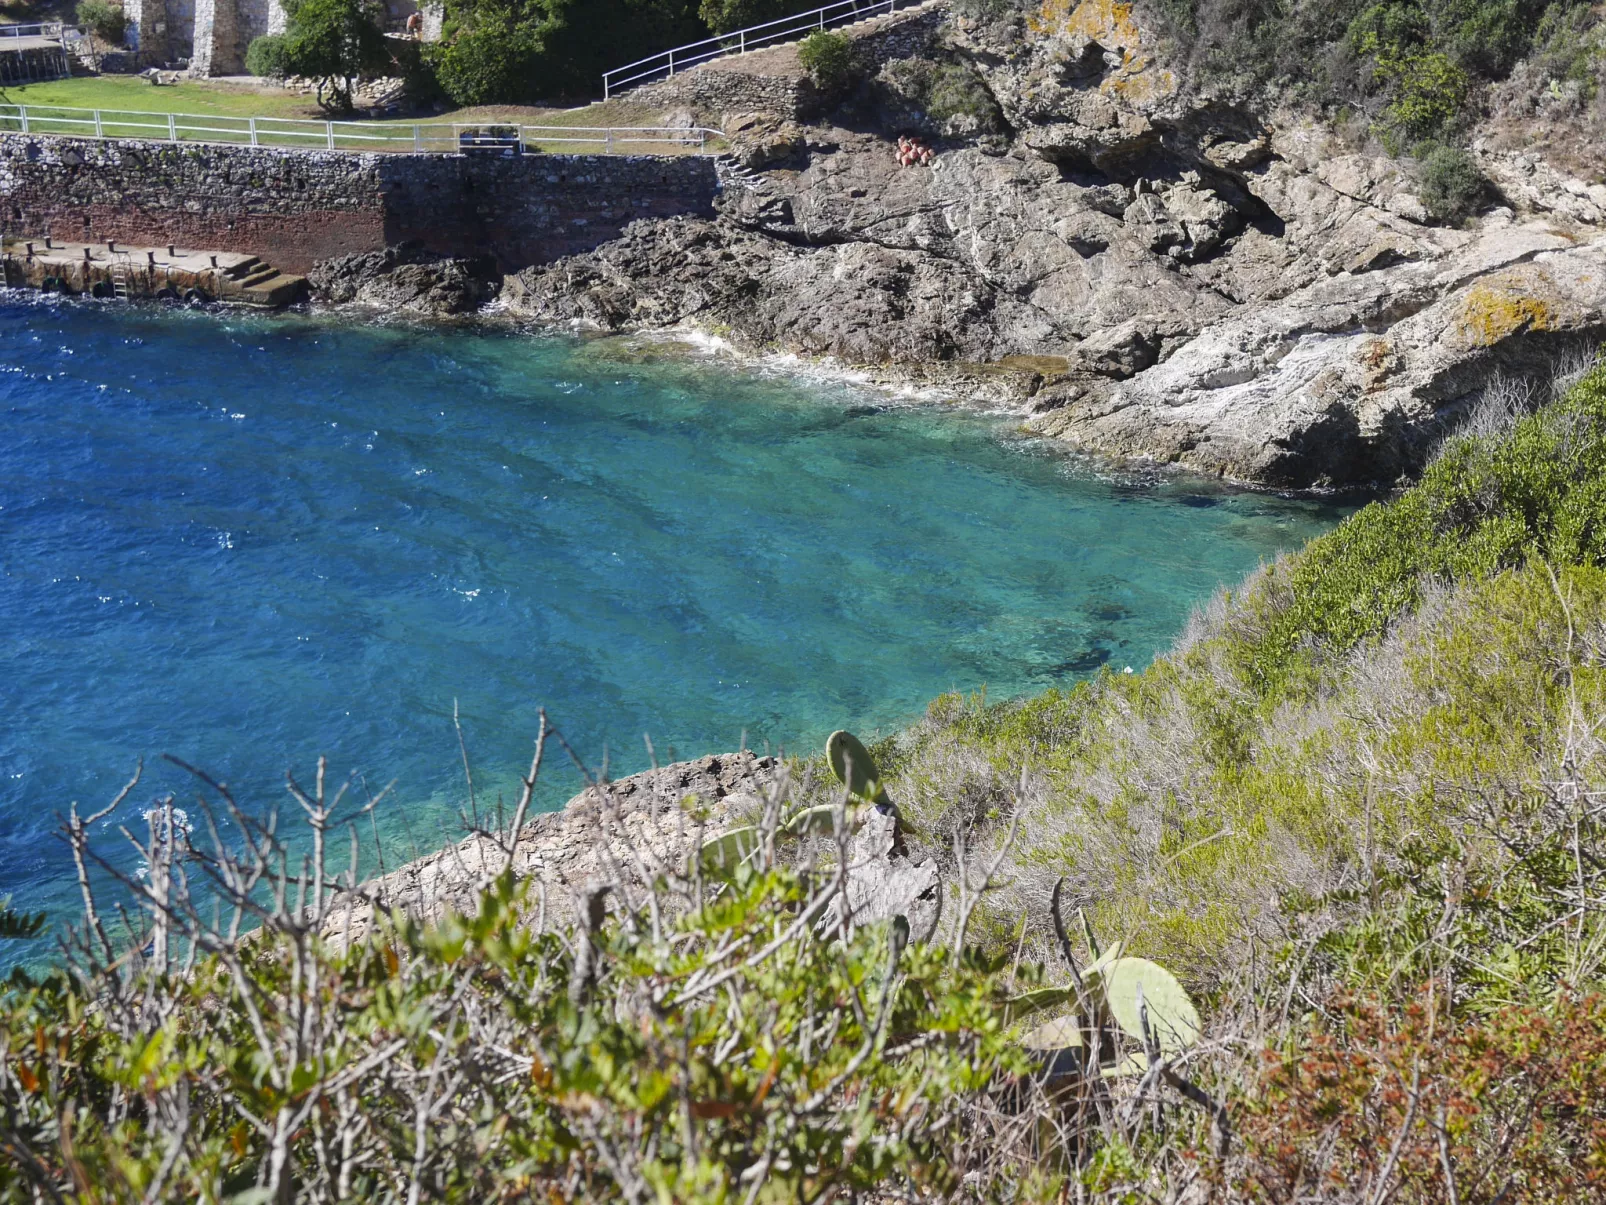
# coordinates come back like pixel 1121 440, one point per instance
pixel 773 81
pixel 724 88
pixel 294 208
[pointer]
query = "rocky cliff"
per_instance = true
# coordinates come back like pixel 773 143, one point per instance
pixel 1146 269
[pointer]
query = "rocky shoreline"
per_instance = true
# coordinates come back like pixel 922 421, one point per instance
pixel 1140 271
pixel 622 835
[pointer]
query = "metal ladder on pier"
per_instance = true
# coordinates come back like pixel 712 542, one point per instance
pixel 122 277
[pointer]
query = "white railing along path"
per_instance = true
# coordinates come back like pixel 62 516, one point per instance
pixel 740 41
pixel 48 29
pixel 388 136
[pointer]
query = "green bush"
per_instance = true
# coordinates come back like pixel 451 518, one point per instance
pixel 959 101
pixel 989 10
pixel 830 59
pixel 1421 64
pixel 701 1045
pixel 723 16
pixel 104 19
pixel 1450 184
pixel 335 43
pixel 266 56
pixel 493 61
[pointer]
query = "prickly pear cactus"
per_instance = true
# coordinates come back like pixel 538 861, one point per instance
pixel 1027 1003
pixel 818 821
pixel 1132 984
pixel 720 856
pixel 853 766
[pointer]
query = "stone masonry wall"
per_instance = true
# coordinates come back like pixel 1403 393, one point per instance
pixel 773 81
pixel 294 208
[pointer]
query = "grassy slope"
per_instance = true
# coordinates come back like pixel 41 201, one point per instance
pixel 211 98
pixel 1348 701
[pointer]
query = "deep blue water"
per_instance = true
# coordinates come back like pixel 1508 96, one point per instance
pixel 249 540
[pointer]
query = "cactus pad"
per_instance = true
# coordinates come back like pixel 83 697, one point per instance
pixel 1172 1017
pixel 854 767
pixel 721 855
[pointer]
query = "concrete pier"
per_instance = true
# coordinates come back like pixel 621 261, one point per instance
pixel 114 271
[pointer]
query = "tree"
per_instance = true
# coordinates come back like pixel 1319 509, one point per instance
pixel 334 43
pixel 266 56
pixel 722 16
pixel 105 20
pixel 511 51
pixel 490 52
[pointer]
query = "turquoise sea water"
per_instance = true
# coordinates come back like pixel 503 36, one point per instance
pixel 247 541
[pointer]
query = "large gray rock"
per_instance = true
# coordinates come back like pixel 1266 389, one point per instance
pixel 597 838
pixel 406 277
pixel 1354 378
pixel 1238 291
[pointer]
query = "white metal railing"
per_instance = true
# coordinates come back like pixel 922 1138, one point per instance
pixel 482 138
pixel 740 41
pixel 49 29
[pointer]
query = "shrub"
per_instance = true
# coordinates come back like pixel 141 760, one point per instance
pixel 104 19
pixel 989 10
pixel 266 56
pixel 830 59
pixel 334 43
pixel 958 100
pixel 493 61
pixel 1450 184
pixel 723 16
pixel 704 1044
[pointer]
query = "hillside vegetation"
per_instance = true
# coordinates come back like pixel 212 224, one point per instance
pixel 1357 810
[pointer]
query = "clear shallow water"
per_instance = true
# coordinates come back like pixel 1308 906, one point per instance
pixel 248 541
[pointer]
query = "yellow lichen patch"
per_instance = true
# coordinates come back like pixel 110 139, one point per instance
pixel 1109 23
pixel 1491 314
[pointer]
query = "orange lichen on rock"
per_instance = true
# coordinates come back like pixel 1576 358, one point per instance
pixel 1109 23
pixel 1492 314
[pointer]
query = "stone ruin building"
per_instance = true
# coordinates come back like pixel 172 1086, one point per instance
pixel 212 35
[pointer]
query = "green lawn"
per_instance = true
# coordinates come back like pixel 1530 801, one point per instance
pixel 292 120
pixel 132 93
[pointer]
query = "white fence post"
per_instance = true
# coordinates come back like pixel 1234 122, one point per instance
pixel 172 128
pixel 418 143
pixel 330 129
pixel 671 62
pixel 23 109
pixel 253 131
pixel 610 141
pixel 97 124
pixel 743 39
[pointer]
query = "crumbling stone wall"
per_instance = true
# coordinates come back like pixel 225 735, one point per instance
pixel 294 208
pixel 773 81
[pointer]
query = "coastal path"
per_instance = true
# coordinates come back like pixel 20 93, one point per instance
pixel 394 137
